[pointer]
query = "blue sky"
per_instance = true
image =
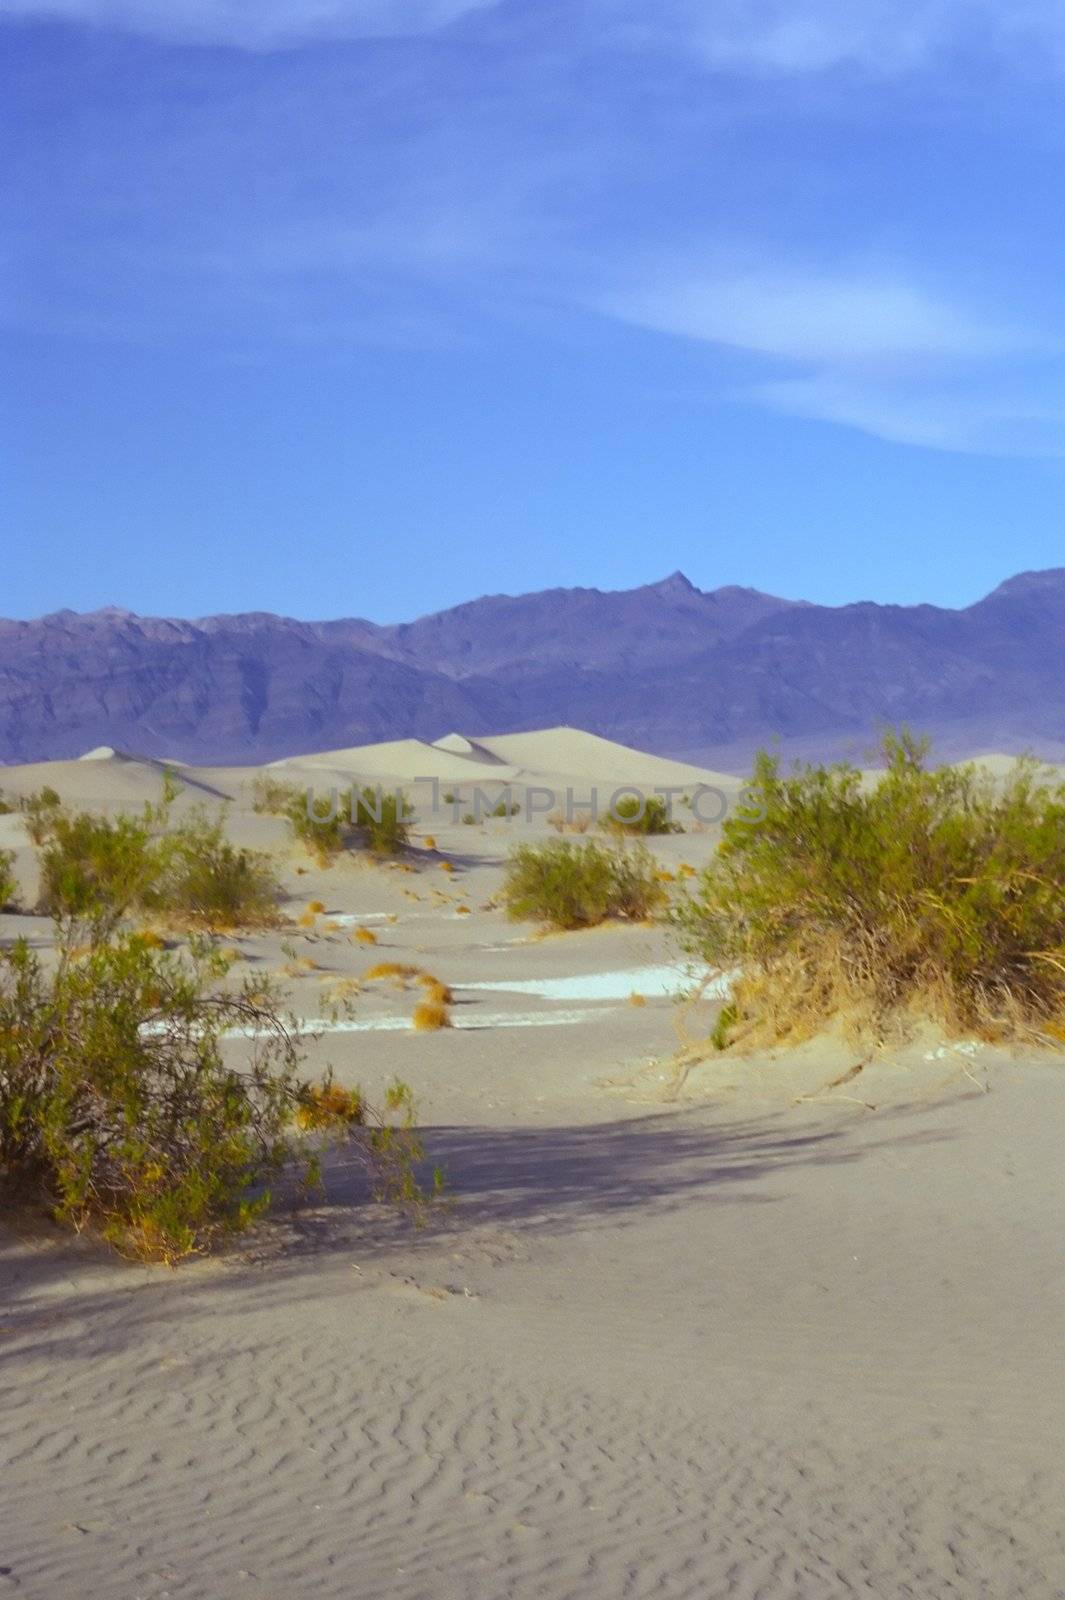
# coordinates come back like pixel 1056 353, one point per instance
pixel 365 307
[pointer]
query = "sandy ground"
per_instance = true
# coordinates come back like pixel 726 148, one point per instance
pixel 679 1336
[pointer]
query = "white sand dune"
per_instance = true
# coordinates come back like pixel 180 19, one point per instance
pixel 555 756
pixel 718 1334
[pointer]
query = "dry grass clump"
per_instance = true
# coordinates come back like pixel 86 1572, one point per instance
pixel 932 892
pixel 429 1015
pixel 325 1104
pixel 364 936
pixel 436 989
pixel 637 999
pixel 579 822
pixel 392 969
pixel 429 842
pixel 569 885
pixel 447 866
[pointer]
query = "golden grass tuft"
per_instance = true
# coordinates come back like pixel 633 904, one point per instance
pixel 447 866
pixel 316 907
pixel 580 821
pixel 306 919
pixel 364 936
pixel 429 1015
pixel 637 999
pixel 429 842
pixel 300 967
pixel 436 989
pixel 324 1104
pixel 392 969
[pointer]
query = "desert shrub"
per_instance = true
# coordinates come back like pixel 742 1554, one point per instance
pixel 120 1108
pixel 505 808
pixel 381 822
pixel 384 819
pixel 323 828
pixel 39 808
pixel 928 891
pixel 649 815
pixel 209 882
pixel 96 869
pixel 271 796
pixel 469 820
pixel 7 878
pixel 575 886
pixel 5 808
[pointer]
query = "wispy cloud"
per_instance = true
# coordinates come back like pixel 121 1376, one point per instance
pixel 846 318
pixel 979 422
pixel 881 37
pixel 253 24
pixel 770 37
pixel 876 352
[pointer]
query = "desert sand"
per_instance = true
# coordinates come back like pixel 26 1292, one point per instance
pixel 689 1334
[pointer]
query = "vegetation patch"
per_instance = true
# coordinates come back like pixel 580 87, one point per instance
pixel 647 814
pixel 120 1108
pixel 568 885
pixel 933 892
pixel 430 1015
pixel 95 869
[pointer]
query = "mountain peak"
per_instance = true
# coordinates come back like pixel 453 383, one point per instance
pixel 676 583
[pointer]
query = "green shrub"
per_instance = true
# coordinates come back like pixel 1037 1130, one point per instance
pixel 7 878
pixel 271 796
pixel 209 882
pixel 5 809
pixel 323 830
pixel 120 1108
pixel 927 891
pixel 384 819
pixel 381 821
pixel 648 815
pixel 94 870
pixel 39 809
pixel 575 886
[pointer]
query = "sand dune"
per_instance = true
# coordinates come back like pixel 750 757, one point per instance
pixel 552 755
pixel 718 1335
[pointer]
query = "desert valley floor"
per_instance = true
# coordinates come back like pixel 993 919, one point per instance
pixel 723 1332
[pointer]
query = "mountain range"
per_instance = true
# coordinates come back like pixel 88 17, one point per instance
pixel 703 675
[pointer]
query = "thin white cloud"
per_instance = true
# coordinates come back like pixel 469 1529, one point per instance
pixel 875 352
pixel 882 37
pixel 818 318
pixel 936 419
pixel 253 24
